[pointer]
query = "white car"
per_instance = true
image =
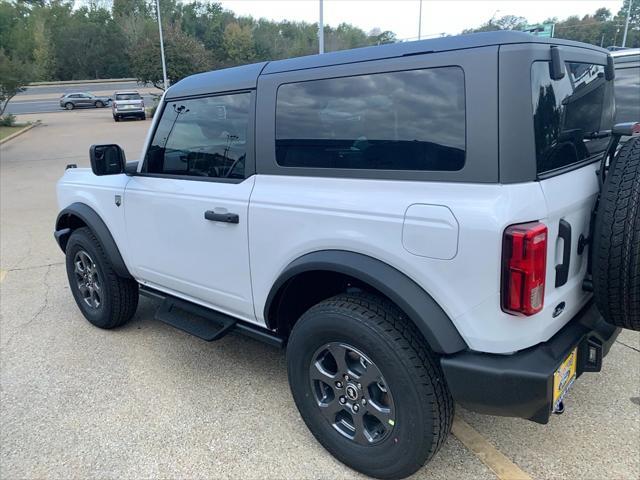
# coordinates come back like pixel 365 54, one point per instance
pixel 128 104
pixel 415 222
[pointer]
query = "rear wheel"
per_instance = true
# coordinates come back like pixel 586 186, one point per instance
pixel 616 249
pixel 116 118
pixel 69 106
pixel 368 386
pixel 104 298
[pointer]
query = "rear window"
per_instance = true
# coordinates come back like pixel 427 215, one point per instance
pixel 569 113
pixel 408 120
pixel 128 96
pixel 627 88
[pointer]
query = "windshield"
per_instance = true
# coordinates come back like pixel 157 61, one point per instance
pixel 128 96
pixel 569 113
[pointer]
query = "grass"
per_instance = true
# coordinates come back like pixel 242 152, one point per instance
pixel 6 131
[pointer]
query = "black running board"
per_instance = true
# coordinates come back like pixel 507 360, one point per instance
pixel 194 319
pixel 203 322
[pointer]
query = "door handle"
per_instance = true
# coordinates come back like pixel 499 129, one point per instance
pixel 221 217
pixel 562 270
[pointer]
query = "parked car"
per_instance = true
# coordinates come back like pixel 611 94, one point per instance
pixel 128 104
pixel 627 85
pixel 411 221
pixel 73 100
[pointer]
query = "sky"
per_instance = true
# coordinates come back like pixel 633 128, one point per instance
pixel 401 16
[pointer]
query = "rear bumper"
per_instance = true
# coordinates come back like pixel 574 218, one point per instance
pixel 139 112
pixel 521 384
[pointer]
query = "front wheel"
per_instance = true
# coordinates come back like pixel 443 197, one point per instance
pixel 69 106
pixel 104 298
pixel 368 386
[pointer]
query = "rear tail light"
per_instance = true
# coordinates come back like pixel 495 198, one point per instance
pixel 115 105
pixel 524 266
pixel 142 103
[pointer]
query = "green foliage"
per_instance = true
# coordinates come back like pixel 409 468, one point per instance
pixel 600 28
pixel 8 120
pixel 184 56
pixel 54 40
pixel 14 75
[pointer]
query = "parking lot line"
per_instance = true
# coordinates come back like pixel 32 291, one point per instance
pixel 503 468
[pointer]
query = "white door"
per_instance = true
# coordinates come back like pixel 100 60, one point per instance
pixel 186 211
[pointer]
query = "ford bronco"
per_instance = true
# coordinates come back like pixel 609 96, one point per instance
pixel 422 224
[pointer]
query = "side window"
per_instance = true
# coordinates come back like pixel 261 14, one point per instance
pixel 627 84
pixel 569 113
pixel 201 137
pixel 408 120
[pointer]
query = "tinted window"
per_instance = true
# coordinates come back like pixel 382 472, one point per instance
pixel 204 137
pixel 411 120
pixel 128 96
pixel 567 114
pixel 627 88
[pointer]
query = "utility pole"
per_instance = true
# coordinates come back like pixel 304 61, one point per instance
pixel 164 65
pixel 626 24
pixel 420 22
pixel 321 32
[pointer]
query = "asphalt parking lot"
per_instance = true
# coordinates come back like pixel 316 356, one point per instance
pixel 150 401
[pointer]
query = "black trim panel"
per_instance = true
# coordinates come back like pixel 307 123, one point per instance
pixel 521 384
pixel 418 305
pixel 93 221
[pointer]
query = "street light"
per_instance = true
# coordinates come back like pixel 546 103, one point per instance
pixel 420 22
pixel 626 24
pixel 320 32
pixel 164 65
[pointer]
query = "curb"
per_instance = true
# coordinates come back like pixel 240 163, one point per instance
pixel 19 132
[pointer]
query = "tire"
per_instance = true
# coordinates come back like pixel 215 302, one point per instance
pixel 373 332
pixel 616 249
pixel 143 117
pixel 69 106
pixel 117 119
pixel 99 104
pixel 117 296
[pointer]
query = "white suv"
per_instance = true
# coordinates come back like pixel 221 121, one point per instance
pixel 414 222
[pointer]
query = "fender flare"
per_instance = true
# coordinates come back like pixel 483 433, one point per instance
pixel 434 324
pixel 67 222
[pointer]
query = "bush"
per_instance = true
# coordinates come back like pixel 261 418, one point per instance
pixel 9 120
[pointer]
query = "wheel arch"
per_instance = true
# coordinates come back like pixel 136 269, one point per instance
pixel 319 275
pixel 78 215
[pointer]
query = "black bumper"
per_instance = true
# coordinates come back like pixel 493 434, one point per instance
pixel 521 384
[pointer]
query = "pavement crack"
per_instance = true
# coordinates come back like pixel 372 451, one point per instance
pixel 19 269
pixel 39 312
pixel 628 346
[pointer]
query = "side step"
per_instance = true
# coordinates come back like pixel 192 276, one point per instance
pixel 206 323
pixel 194 319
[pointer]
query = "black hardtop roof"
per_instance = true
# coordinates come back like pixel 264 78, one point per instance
pixel 246 76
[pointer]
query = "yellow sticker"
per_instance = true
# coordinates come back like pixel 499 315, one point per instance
pixel 391 422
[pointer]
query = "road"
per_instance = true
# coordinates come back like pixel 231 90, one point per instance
pixel 45 98
pixel 149 401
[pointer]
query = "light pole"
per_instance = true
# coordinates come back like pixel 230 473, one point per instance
pixel 164 65
pixel 320 32
pixel 420 22
pixel 626 24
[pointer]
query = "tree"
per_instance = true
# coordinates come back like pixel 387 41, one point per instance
pixel 184 56
pixel 14 75
pixel 238 44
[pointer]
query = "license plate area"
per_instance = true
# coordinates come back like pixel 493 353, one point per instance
pixel 563 378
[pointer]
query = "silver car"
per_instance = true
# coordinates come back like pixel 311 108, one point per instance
pixel 73 100
pixel 128 104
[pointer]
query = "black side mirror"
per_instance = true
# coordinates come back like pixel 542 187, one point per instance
pixel 107 159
